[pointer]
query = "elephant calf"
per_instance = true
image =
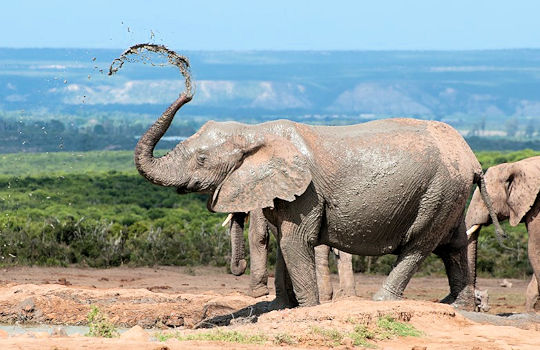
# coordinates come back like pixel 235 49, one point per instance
pixel 514 188
pixel 259 234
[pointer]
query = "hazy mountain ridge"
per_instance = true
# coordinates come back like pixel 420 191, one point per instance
pixel 461 87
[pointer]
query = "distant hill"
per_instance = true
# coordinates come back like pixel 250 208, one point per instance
pixel 477 91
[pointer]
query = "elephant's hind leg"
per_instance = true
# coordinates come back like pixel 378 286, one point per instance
pixel 407 263
pixel 454 256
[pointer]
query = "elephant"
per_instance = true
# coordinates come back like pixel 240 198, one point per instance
pixel 515 189
pixel 259 234
pixel 393 186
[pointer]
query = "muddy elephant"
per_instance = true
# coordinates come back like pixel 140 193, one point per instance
pixel 514 188
pixel 394 186
pixel 259 235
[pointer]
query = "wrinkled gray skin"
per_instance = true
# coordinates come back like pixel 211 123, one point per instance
pixel 515 189
pixel 395 186
pixel 259 234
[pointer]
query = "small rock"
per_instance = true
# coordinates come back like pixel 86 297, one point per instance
pixel 27 305
pixel 419 347
pixel 59 332
pixel 41 335
pixel 63 281
pixel 347 342
pixel 174 320
pixel 26 309
pixel 135 333
pixel 506 283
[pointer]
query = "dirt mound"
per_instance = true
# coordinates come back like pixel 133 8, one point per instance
pixel 172 302
pixel 58 304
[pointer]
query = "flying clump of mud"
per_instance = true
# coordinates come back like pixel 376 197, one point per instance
pixel 139 49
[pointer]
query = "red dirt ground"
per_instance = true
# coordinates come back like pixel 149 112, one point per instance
pixel 173 299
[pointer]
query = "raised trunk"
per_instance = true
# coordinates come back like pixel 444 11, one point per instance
pixel 164 171
pixel 238 261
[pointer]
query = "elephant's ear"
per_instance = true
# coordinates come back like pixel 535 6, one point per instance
pixel 273 169
pixel 523 188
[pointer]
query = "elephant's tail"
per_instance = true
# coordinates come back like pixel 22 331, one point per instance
pixel 499 232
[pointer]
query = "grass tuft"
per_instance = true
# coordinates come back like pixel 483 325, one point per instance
pixel 392 328
pixel 219 335
pixel 99 324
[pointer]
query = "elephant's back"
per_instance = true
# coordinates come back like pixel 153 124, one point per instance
pixel 455 153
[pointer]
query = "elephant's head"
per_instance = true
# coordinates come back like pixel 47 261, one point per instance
pixel 243 167
pixel 239 165
pixel 513 188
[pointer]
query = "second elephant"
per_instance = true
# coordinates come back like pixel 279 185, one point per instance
pixel 259 234
pixel 515 189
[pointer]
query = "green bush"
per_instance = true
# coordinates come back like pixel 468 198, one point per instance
pixel 94 209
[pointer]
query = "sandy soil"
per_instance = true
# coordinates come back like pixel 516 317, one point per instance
pixel 172 300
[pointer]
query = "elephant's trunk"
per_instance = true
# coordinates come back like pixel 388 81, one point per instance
pixel 499 232
pixel 163 171
pixel 472 249
pixel 160 170
pixel 238 261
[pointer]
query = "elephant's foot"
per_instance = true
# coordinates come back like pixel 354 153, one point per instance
pixel 309 302
pixel 280 304
pixel 449 299
pixel 464 300
pixel 259 292
pixel 384 294
pixel 530 307
pixel 325 297
pixel 344 293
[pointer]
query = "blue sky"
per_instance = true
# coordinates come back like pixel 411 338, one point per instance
pixel 273 25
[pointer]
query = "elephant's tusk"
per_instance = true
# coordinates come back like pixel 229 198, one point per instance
pixel 229 217
pixel 472 230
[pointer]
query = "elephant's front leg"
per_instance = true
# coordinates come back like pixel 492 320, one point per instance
pixel 299 258
pixel 300 222
pixel 285 297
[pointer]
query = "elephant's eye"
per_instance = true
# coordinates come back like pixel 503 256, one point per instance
pixel 201 158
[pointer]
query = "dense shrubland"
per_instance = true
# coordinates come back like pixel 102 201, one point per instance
pixel 92 208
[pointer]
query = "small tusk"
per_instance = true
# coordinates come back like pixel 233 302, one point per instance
pixel 472 230
pixel 229 217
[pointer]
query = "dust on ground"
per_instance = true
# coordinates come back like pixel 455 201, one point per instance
pixel 171 300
